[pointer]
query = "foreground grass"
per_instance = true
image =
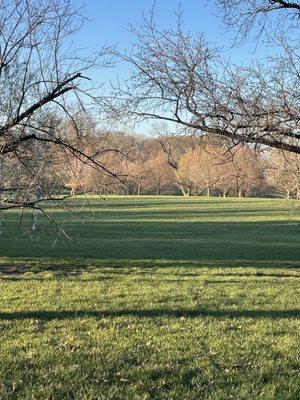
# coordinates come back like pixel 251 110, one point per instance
pixel 154 298
pixel 151 333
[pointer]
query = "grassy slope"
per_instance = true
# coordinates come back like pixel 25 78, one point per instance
pixel 187 328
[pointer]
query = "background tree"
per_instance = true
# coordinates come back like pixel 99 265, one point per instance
pixel 284 173
pixel 161 176
pixel 138 174
pixel 246 170
pixel 174 147
pixel 201 165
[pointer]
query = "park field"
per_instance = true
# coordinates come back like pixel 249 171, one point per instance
pixel 153 298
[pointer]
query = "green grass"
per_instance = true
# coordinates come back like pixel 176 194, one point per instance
pixel 169 228
pixel 155 298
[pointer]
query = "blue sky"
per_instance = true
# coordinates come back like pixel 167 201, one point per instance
pixel 110 20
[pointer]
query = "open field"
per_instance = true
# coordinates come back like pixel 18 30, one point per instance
pixel 155 298
pixel 169 228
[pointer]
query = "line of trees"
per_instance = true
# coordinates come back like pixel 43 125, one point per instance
pixel 190 165
pixel 185 165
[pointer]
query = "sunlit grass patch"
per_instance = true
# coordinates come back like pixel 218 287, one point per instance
pixel 132 333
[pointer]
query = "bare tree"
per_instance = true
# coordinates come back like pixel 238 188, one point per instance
pixel 42 90
pixel 284 173
pixel 246 170
pixel 160 175
pixel 174 147
pixel 181 79
pixel 255 17
pixel 138 174
pixel 202 165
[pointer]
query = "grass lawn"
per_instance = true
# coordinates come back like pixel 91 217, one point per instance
pixel 154 298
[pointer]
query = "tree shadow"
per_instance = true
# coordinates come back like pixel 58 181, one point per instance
pixel 15 270
pixel 199 240
pixel 259 275
pixel 72 278
pixel 48 315
pixel 111 269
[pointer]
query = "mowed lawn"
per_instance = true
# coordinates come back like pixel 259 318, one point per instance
pixel 154 298
pixel 167 228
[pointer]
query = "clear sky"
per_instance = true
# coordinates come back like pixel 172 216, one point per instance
pixel 110 20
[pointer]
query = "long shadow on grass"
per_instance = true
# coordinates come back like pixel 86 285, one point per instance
pixel 259 275
pixel 164 312
pixel 201 241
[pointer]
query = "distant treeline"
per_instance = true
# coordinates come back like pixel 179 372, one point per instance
pixel 135 164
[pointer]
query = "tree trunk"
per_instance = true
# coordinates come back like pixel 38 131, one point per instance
pixel 138 190
pixel 208 192
pixel 186 193
pixel 35 218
